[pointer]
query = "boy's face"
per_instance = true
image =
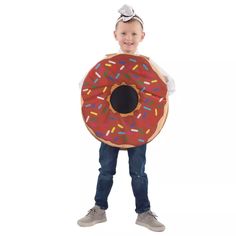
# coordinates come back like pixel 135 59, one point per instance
pixel 129 35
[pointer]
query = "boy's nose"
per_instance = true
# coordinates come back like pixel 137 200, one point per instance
pixel 128 37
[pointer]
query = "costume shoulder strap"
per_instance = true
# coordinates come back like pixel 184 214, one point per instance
pixel 147 58
pixel 111 55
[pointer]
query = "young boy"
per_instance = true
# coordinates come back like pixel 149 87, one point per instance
pixel 129 33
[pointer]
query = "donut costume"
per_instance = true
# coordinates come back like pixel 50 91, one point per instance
pixel 124 100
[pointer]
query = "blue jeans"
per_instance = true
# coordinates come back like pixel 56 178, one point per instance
pixel 137 159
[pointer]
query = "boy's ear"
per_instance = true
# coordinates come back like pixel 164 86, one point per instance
pixel 114 34
pixel 143 35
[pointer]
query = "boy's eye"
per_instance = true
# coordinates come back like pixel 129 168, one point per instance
pixel 123 33
pixel 134 34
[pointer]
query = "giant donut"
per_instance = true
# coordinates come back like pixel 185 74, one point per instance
pixel 124 100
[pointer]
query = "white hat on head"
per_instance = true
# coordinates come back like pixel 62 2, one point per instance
pixel 127 13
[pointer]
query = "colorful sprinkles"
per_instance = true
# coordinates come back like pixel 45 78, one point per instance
pixel 132 129
pixel 97 66
pixel 145 67
pixel 135 67
pixel 122 67
pixel 104 90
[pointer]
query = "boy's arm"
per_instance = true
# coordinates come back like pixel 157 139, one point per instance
pixel 81 82
pixel 169 80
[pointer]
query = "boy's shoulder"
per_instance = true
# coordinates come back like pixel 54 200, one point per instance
pixel 148 58
pixel 113 54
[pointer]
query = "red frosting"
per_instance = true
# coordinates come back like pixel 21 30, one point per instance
pixel 124 130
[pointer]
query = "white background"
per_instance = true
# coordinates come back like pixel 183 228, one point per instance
pixel 49 161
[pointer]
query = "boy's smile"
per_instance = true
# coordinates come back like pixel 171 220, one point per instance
pixel 129 35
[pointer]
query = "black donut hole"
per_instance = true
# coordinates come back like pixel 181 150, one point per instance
pixel 124 99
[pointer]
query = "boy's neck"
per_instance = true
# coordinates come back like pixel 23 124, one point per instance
pixel 134 53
